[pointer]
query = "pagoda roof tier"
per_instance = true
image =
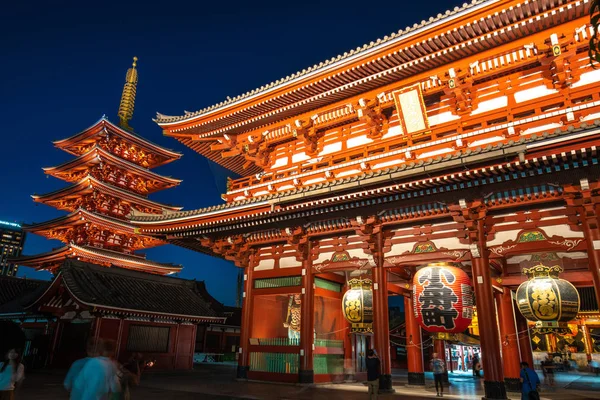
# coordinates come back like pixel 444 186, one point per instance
pixel 408 56
pixel 59 228
pixel 135 294
pixel 59 198
pixel 73 170
pixel 52 260
pixel 82 142
pixel 504 160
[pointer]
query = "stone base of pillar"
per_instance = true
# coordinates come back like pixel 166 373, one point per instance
pixel 307 376
pixel 242 372
pixel 494 390
pixel 416 378
pixel 512 384
pixel 385 384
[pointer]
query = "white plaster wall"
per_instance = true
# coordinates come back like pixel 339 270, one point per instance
pixel 264 265
pixel 289 262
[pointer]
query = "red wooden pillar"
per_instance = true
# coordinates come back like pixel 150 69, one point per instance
pixel 176 355
pixel 307 320
pixel 592 237
pixel 589 345
pixel 56 340
pixel 486 313
pixel 524 339
pixel 119 337
pixel 414 355
pixel 509 340
pixel 243 365
pixel 193 346
pixel 381 319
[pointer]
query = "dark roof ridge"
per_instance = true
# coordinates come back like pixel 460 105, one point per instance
pixel 114 269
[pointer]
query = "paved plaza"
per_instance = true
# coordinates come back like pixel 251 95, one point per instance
pixel 217 382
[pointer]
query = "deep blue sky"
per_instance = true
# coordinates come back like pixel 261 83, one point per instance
pixel 63 67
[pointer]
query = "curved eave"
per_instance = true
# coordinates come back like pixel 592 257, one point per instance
pixel 81 216
pixel 143 312
pixel 84 184
pixel 97 255
pixel 37 259
pixel 329 67
pixel 176 224
pixel 90 157
pixel 125 260
pixel 497 23
pixel 168 155
pixel 234 164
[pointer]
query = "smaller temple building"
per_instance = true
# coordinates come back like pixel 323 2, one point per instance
pixel 85 301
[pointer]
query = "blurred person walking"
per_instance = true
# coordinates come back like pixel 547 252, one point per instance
pixel 12 374
pixel 373 373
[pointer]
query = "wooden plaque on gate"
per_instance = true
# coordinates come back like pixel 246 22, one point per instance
pixel 410 106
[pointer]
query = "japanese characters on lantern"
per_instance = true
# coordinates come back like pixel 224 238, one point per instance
pixel 357 305
pixel 548 300
pixel 443 299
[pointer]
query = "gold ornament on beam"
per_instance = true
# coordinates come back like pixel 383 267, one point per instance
pixel 128 96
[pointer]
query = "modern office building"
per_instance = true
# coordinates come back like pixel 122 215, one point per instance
pixel 12 238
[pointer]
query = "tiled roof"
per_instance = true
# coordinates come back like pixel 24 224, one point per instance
pixel 327 64
pixel 118 288
pixel 107 188
pixel 134 136
pixel 93 155
pixel 361 180
pixel 16 293
pixel 96 254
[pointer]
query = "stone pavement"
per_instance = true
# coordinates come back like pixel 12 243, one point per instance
pixel 217 382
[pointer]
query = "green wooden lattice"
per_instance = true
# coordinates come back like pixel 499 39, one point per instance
pixel 328 285
pixel 282 363
pixel 328 364
pixel 269 283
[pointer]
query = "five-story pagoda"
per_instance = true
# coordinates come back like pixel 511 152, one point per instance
pixel 110 179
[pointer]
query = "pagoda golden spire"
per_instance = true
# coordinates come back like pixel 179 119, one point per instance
pixel 128 97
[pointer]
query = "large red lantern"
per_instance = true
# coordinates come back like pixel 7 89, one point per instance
pixel 442 298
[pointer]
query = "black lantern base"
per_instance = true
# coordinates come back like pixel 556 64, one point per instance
pixel 242 372
pixel 307 376
pixel 512 384
pixel 416 379
pixel 385 384
pixel 494 390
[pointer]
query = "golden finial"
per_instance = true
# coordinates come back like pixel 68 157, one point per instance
pixel 128 97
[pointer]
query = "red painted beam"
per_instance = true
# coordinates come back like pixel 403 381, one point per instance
pixel 277 273
pixel 330 276
pixel 576 278
pixel 392 288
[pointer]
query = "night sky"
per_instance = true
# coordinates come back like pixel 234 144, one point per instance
pixel 63 67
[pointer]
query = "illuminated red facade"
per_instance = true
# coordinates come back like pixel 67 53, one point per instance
pixel 470 138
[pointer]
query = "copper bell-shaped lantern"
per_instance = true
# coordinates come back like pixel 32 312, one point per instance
pixel 357 305
pixel 547 300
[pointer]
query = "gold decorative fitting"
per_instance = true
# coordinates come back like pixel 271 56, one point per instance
pixel 542 271
pixel 127 104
